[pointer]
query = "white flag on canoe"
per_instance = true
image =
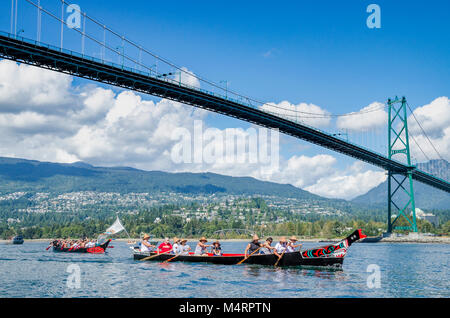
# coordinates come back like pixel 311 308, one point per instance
pixel 115 228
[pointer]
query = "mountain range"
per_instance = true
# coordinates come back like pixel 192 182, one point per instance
pixel 30 175
pixel 21 175
pixel 425 196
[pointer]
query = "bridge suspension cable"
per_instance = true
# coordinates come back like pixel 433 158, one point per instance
pixel 423 130
pixel 417 144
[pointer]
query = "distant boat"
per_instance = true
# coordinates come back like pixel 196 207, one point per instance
pixel 17 239
pixel 371 239
pixel 99 249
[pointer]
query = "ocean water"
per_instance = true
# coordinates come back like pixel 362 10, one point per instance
pixel 405 270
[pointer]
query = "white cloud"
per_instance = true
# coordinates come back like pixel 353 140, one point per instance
pixel 435 120
pixel 302 171
pixel 348 184
pixel 27 88
pixel 309 114
pixel 188 78
pixel 365 121
pixel 99 126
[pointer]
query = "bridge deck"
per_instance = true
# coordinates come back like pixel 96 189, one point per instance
pixel 29 52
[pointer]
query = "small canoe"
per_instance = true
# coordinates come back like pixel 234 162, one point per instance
pixel 100 249
pixel 325 256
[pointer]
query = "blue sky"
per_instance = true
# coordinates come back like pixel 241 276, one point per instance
pixel 319 52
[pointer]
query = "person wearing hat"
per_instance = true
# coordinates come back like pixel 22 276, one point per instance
pixel 145 245
pixel 281 247
pixel 216 250
pixel 252 246
pixel 267 246
pixel 202 249
pixel 176 245
pixel 183 248
pixel 291 244
pixel 165 247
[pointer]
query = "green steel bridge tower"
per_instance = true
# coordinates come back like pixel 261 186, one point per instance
pixel 398 141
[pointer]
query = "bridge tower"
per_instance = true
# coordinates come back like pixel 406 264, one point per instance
pixel 398 141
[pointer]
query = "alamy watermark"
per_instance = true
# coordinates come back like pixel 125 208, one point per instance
pixel 374 19
pixel 374 279
pixel 74 19
pixel 74 277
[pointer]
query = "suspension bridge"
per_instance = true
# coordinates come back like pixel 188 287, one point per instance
pixel 66 51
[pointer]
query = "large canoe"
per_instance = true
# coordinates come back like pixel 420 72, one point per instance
pixel 100 249
pixel 325 256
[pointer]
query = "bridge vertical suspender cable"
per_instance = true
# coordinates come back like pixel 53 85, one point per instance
pixel 39 22
pixel 12 16
pixel 15 19
pixel 62 23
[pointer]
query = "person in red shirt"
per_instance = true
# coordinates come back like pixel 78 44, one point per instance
pixel 165 246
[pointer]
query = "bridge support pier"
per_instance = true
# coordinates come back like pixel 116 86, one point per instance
pixel 398 140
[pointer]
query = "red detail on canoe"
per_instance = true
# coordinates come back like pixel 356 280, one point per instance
pixel 242 255
pixel 210 254
pixel 95 250
pixel 361 235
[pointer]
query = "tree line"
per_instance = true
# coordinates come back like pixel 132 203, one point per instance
pixel 158 222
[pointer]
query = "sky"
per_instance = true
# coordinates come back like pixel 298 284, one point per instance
pixel 318 57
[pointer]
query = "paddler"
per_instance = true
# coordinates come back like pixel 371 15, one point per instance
pixel 145 245
pixel 202 249
pixel 184 249
pixel 280 247
pixel 291 246
pixel 176 245
pixel 216 249
pixel 165 246
pixel 267 246
pixel 253 246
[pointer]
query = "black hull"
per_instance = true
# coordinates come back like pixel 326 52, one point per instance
pixel 93 250
pixel 288 259
pixel 324 256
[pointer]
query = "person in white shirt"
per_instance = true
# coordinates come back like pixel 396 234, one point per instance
pixel 176 245
pixel 280 247
pixel 145 245
pixel 183 248
pixel 291 246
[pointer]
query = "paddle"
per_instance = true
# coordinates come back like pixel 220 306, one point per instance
pixel 153 256
pixel 172 258
pixel 280 258
pixel 245 258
